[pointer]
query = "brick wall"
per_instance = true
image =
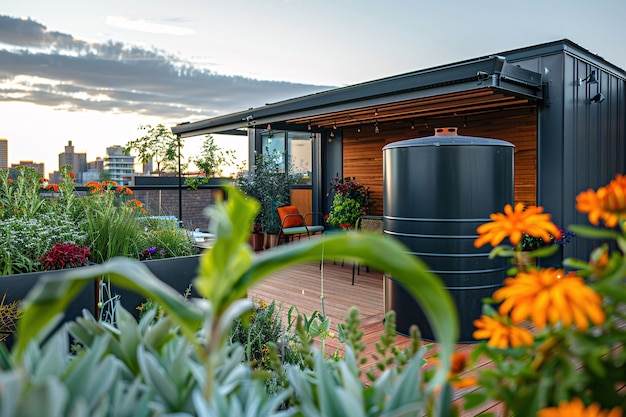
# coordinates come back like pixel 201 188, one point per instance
pixel 194 202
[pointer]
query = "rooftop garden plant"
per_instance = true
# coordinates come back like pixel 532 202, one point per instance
pixel 38 216
pixel 269 183
pixel 183 364
pixel 574 361
pixel 351 200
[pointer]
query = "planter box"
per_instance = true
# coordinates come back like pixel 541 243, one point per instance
pixel 17 286
pixel 177 272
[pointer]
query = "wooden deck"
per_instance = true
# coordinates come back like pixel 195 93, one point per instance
pixel 302 285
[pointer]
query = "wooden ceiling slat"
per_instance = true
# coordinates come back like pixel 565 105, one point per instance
pixel 459 104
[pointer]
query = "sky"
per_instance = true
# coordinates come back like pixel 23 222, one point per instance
pixel 94 72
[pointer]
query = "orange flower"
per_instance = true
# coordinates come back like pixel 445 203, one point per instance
pixel 53 187
pixel 72 176
pixel 124 189
pixel 9 181
pixel 94 187
pixel 42 179
pixel 513 223
pixel 548 295
pixel 576 408
pixel 500 334
pixel 608 203
pixel 459 363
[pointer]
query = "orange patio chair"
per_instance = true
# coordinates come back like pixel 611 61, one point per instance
pixel 292 223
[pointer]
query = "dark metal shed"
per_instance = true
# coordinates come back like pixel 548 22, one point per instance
pixel 539 98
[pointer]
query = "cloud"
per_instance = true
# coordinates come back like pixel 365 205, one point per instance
pixel 54 69
pixel 145 26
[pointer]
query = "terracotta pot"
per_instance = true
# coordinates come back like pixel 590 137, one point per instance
pixel 270 240
pixel 256 241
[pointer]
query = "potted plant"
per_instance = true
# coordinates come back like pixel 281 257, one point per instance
pixel 350 202
pixel 345 212
pixel 270 184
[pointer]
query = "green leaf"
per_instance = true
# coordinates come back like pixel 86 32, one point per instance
pixel 383 254
pixel 474 399
pixel 593 232
pixel 53 293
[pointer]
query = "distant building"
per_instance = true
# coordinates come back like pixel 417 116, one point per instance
pixel 78 161
pixel 119 167
pixel 4 153
pixel 38 166
pixel 94 170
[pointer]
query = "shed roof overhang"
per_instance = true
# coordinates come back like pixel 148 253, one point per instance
pixel 463 89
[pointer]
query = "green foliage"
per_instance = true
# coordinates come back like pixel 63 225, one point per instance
pixel 113 229
pixel 183 363
pixel 344 212
pixel 24 240
pixel 163 239
pixel 19 195
pixel 350 188
pixel 210 162
pixel 270 184
pixel 158 145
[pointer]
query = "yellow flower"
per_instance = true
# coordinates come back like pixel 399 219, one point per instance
pixel 608 203
pixel 576 408
pixel 513 222
pixel 548 295
pixel 501 335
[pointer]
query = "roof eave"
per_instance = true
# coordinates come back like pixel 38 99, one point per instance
pixel 491 72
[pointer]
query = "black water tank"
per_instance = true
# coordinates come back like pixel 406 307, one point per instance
pixel 437 191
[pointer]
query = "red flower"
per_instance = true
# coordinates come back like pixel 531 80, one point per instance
pixel 53 187
pixel 9 181
pixel 72 176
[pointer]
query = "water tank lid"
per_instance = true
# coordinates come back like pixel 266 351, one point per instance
pixel 447 136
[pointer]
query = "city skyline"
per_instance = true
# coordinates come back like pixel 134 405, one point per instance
pixel 117 65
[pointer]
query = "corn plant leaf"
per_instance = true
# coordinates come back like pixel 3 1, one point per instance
pixel 383 254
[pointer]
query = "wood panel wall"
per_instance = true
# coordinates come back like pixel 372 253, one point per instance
pixel 302 199
pixel 363 157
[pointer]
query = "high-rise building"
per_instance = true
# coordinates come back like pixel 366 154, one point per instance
pixel 36 165
pixel 94 170
pixel 4 153
pixel 78 161
pixel 119 167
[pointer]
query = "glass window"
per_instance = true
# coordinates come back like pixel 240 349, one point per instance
pixel 274 144
pixel 300 156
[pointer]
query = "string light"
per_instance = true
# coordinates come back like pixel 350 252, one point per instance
pixel 412 124
pixel 309 126
pixel 269 126
pixel 376 129
pixel 376 112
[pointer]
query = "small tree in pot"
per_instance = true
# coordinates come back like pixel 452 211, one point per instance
pixel 270 184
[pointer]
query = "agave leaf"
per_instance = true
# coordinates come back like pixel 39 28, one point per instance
pixel 157 378
pixel 12 385
pixel 45 399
